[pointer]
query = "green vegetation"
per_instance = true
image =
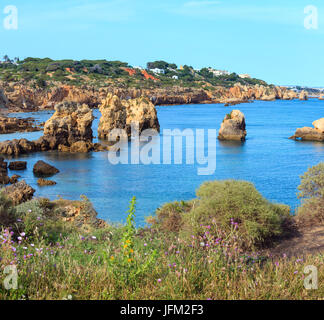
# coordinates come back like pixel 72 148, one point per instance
pixel 200 249
pixel 42 73
pixel 311 191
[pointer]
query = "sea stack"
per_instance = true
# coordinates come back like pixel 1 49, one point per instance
pixel 121 114
pixel 233 127
pixel 311 134
pixel 303 95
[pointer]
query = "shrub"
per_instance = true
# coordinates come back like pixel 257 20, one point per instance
pixel 7 212
pixel 169 218
pixel 229 202
pixel 311 193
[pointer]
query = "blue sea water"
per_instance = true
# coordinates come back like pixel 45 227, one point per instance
pixel 268 159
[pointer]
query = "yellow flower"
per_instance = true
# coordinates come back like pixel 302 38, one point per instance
pixel 128 241
pixel 125 246
pixel 112 258
pixel 131 251
pixel 129 260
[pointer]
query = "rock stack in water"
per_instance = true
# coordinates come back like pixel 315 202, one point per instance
pixel 70 124
pixel 303 95
pixel 233 127
pixel 309 133
pixel 121 114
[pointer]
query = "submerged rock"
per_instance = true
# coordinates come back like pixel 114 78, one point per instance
pixel 120 114
pixel 14 178
pixel 311 134
pixel 233 127
pixel 42 168
pixel 19 192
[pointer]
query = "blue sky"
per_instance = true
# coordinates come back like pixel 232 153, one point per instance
pixel 265 38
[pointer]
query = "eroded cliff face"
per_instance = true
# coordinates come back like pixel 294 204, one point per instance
pixel 121 114
pixel 22 98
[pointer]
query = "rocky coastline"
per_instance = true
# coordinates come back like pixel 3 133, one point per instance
pixel 22 98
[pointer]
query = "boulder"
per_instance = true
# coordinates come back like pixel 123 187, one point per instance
pixel 121 114
pixel 233 127
pixel 42 168
pixel 11 125
pixel 18 165
pixel 19 192
pixel 43 182
pixel 16 147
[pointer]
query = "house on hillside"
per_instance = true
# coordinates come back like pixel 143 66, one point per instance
pixel 157 71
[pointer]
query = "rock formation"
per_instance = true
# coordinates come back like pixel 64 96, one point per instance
pixel 303 95
pixel 120 114
pixel 3 100
pixel 311 134
pixel 18 165
pixel 42 168
pixel 11 125
pixel 19 192
pixel 4 179
pixel 70 123
pixel 233 127
pixel 43 182
pixel 14 178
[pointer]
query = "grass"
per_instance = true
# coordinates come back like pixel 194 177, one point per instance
pixel 122 262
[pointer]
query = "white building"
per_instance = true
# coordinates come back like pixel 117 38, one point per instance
pixel 218 73
pixel 175 77
pixel 245 76
pixel 158 71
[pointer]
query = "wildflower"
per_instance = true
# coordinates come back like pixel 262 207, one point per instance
pixel 29 211
pixel 112 258
pixel 94 237
pixel 277 264
pixel 159 280
pixel 145 244
pixel 131 251
pixel 129 260
pixel 296 272
pixel 125 246
pixel 128 241
pixel 19 238
pixel 32 245
pixel 23 234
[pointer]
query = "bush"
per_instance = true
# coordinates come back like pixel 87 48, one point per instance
pixel 230 202
pixel 7 212
pixel 311 193
pixel 169 218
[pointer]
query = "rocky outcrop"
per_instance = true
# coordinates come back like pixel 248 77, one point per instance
pixel 321 97
pixel 11 125
pixel 121 114
pixel 42 168
pixel 4 179
pixel 18 165
pixel 16 147
pixel 19 192
pixel 233 127
pixel 303 95
pixel 43 182
pixel 70 123
pixel 311 134
pixel 3 100
pixel 24 98
pixel 14 178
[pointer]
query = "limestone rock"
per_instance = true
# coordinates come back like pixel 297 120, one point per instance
pixel 70 123
pixel 18 165
pixel 4 179
pixel 42 168
pixel 121 114
pixel 311 134
pixel 16 147
pixel 319 125
pixel 233 127
pixel 44 182
pixel 303 95
pixel 11 125
pixel 19 192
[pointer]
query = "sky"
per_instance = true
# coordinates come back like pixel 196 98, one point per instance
pixel 264 38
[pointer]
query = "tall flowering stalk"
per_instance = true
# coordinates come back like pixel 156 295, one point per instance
pixel 128 235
